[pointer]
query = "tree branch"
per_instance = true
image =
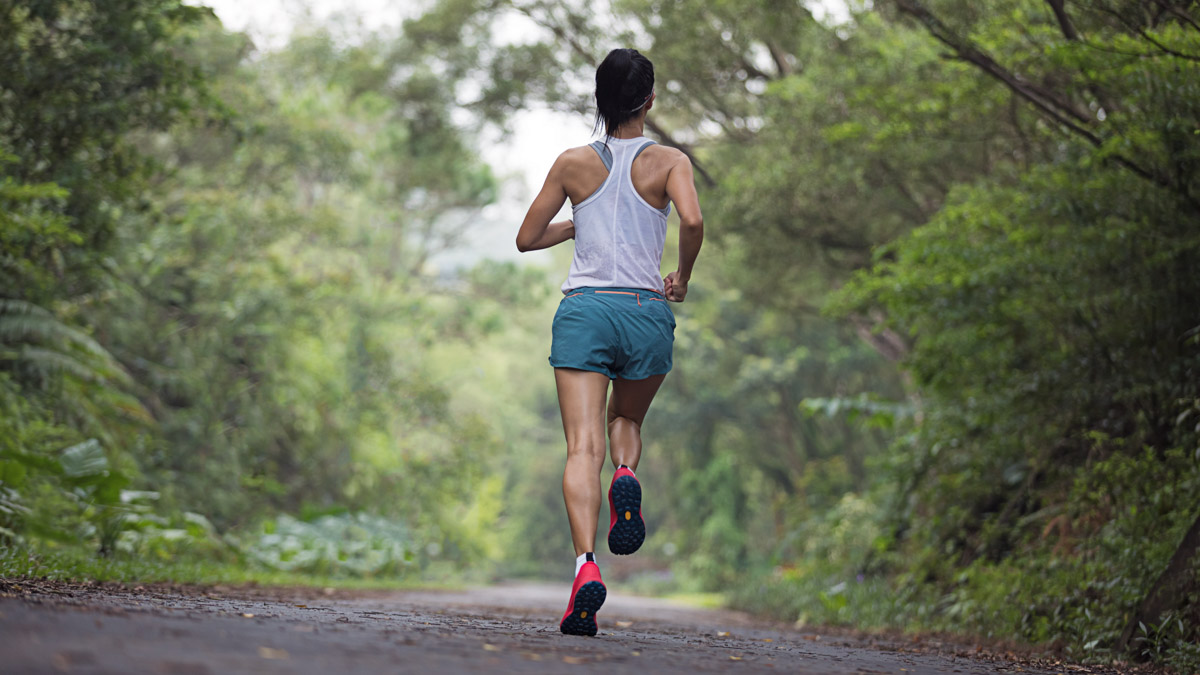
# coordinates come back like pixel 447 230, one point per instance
pixel 580 50
pixel 1043 99
pixel 1179 13
pixel 1166 49
pixel 682 147
pixel 752 71
pixel 1128 25
pixel 966 51
pixel 780 59
pixel 1168 590
pixel 888 343
pixel 1064 23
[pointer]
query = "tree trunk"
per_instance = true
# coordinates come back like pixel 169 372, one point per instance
pixel 1170 588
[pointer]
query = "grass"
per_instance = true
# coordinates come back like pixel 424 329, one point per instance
pixel 699 600
pixel 70 564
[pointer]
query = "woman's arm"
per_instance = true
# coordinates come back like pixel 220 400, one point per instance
pixel 536 231
pixel 554 234
pixel 681 188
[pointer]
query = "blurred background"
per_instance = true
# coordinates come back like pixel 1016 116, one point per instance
pixel 262 318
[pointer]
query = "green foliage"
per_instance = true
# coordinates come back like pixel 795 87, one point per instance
pixel 70 564
pixel 247 309
pixel 218 299
pixel 76 78
pixel 358 546
pixel 1047 319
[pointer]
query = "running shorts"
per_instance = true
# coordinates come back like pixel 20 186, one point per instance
pixel 625 333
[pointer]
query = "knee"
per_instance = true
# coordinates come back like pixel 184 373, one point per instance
pixel 587 448
pixel 617 423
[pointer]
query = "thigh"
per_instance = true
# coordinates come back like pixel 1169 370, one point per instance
pixel 631 398
pixel 581 395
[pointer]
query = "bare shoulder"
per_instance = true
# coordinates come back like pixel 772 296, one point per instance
pixel 571 160
pixel 575 155
pixel 664 158
pixel 668 157
pixel 667 151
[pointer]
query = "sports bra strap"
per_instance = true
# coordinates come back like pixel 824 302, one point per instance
pixel 645 145
pixel 605 153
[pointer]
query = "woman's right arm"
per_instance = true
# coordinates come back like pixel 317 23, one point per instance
pixel 553 235
pixel 536 231
pixel 681 188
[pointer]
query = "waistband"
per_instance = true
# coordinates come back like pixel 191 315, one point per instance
pixel 636 293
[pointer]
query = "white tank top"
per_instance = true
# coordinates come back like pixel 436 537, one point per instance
pixel 618 235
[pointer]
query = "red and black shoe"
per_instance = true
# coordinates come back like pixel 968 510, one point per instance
pixel 587 595
pixel 626 529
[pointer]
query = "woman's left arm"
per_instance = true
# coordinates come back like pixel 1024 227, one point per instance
pixel 536 231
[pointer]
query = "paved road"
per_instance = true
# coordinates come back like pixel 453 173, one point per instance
pixel 78 628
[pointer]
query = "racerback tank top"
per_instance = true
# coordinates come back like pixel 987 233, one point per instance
pixel 619 236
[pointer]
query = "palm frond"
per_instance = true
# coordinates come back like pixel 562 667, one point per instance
pixel 34 337
pixel 20 319
pixel 53 362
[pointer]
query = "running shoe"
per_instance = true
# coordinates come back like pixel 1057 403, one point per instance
pixel 587 595
pixel 626 529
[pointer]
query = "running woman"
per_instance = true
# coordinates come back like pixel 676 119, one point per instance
pixel 613 325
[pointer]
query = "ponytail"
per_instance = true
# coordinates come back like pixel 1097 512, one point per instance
pixel 624 84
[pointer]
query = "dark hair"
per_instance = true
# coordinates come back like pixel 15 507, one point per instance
pixel 624 82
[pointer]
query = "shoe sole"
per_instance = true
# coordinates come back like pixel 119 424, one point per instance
pixel 582 619
pixel 630 531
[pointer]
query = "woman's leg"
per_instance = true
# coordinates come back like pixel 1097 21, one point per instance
pixel 626 410
pixel 581 395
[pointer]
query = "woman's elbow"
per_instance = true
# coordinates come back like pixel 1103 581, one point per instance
pixel 524 246
pixel 692 225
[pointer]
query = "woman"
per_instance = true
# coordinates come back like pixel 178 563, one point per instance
pixel 614 323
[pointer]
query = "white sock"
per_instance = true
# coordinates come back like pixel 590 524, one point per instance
pixel 586 557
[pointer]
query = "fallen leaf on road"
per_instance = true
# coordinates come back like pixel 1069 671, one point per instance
pixel 574 660
pixel 490 647
pixel 624 624
pixel 767 640
pixel 302 606
pixel 247 615
pixel 532 656
pixel 275 654
pixel 635 653
pixel 723 633
pixel 735 658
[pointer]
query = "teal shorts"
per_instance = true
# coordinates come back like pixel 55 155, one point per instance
pixel 625 333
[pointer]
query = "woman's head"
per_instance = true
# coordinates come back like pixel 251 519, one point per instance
pixel 624 86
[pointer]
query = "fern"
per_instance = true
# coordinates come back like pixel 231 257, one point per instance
pixel 90 384
pixel 21 321
pixel 32 337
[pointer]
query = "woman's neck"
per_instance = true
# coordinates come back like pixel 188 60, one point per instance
pixel 632 129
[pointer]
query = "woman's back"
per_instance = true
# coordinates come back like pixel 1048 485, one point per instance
pixel 620 209
pixel 585 172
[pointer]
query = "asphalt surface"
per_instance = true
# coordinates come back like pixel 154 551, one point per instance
pixel 54 627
